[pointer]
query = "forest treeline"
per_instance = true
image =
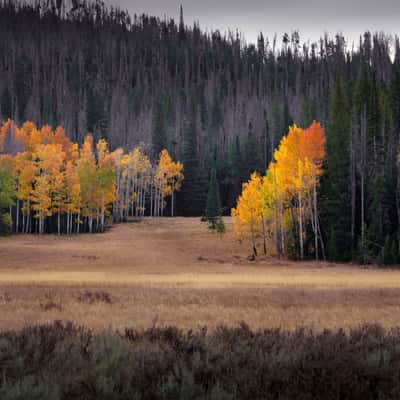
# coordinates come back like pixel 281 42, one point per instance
pixel 213 100
pixel 50 184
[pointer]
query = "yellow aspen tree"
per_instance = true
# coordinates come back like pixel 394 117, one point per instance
pixel 143 179
pixel 290 160
pixel 26 172
pixel 87 171
pixel 247 216
pixel 105 179
pixel 315 147
pixel 121 171
pixel 73 194
pixel 168 177
pixel 57 179
pixel 299 165
pixel 271 207
pixel 175 179
pixel 41 195
pixel 57 182
pixel 161 180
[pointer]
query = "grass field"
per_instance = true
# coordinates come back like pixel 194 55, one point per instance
pixel 175 272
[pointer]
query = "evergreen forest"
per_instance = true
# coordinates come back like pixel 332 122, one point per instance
pixel 220 106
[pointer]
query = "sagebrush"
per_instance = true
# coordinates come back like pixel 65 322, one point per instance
pixel 64 361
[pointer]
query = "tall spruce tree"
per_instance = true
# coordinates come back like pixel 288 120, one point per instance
pixel 194 187
pixel 376 172
pixel 6 105
pixel 213 208
pixel 159 135
pixel 395 100
pixel 252 156
pixel 336 181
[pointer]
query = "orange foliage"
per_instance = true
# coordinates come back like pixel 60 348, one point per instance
pixel 54 177
pixel 291 182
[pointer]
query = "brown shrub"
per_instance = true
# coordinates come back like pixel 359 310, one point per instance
pixel 63 361
pixel 50 302
pixel 92 297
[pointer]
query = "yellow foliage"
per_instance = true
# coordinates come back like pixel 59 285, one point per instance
pixel 290 183
pixel 248 213
pixel 53 175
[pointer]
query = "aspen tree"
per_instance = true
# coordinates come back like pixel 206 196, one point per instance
pixel 105 180
pixel 73 188
pixel 291 183
pixel 247 215
pixel 7 191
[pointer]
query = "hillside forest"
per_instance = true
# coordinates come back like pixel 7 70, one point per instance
pixel 214 103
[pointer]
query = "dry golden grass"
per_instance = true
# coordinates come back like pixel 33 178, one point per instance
pixel 173 271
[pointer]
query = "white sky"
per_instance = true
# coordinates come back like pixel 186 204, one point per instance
pixel 311 17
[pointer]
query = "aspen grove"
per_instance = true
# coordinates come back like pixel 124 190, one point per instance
pixel 282 206
pixel 50 184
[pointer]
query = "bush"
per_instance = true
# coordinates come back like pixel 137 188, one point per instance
pixel 63 361
pixel 5 224
pixel 99 296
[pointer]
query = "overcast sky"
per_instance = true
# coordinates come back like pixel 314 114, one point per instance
pixel 311 17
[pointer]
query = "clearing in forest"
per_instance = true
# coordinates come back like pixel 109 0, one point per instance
pixel 173 271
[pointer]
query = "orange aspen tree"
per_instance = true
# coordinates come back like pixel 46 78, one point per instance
pixel 59 184
pixel 315 145
pixel 48 189
pixel 299 165
pixel 26 171
pixel 41 194
pixel 289 188
pixel 56 177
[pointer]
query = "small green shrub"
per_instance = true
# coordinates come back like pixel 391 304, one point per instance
pixel 5 224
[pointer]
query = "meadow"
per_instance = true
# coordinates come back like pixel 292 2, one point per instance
pixel 173 271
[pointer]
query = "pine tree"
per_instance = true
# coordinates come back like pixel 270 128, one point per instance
pixel 252 157
pixel 213 208
pixel 6 104
pixel 395 100
pixel 159 134
pixel 336 182
pixel 194 188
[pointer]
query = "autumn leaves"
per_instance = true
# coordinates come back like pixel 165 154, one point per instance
pixel 55 186
pixel 142 186
pixel 281 206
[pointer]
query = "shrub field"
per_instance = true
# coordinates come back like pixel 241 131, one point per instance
pixel 64 361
